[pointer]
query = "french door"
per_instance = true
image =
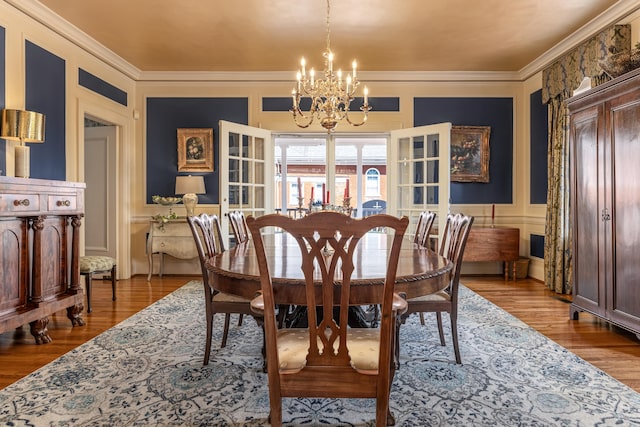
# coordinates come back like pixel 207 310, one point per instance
pixel 246 172
pixel 419 172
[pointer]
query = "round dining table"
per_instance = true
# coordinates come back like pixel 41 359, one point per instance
pixel 421 271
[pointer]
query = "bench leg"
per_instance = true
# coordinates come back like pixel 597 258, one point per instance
pixel 113 283
pixel 87 278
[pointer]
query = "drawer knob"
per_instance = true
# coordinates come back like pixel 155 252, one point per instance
pixel 23 202
pixel 63 203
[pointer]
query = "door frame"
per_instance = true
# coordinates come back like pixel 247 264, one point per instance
pixel 123 167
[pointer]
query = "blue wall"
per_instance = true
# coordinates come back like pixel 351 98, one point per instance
pixel 377 104
pixel 106 89
pixel 45 92
pixel 538 154
pixel 494 112
pixel 536 245
pixel 164 117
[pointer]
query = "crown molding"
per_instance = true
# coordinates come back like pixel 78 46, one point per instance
pixel 289 76
pixel 614 15
pixel 45 16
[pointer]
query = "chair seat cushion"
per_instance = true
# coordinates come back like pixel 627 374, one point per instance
pixel 224 297
pixel 90 264
pixel 363 345
pixel 437 297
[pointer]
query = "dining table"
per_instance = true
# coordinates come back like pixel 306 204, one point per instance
pixel 421 271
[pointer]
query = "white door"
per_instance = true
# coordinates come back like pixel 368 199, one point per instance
pixel 246 172
pixel 419 168
pixel 100 196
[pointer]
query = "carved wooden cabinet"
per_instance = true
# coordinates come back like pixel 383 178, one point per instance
pixel 39 230
pixel 605 198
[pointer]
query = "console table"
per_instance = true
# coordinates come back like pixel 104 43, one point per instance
pixel 494 244
pixel 173 238
pixel 40 234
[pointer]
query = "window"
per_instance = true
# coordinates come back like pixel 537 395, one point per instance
pixel 293 193
pixel 373 183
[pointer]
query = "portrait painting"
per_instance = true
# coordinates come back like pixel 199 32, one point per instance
pixel 470 153
pixel 195 150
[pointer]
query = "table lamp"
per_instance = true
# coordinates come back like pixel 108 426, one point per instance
pixel 24 126
pixel 190 186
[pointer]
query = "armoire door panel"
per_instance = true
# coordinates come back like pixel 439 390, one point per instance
pixel 587 215
pixel 625 176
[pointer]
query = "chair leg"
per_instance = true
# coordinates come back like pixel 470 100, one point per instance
pixel 422 318
pixel 207 349
pixel 225 331
pixel 113 283
pixel 440 331
pixel 240 319
pixel 396 343
pixel 275 414
pixel 87 278
pixel 454 333
pixel 260 322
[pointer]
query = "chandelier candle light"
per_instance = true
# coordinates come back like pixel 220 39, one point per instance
pixel 330 96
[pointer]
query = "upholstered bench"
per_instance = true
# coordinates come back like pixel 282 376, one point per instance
pixel 89 265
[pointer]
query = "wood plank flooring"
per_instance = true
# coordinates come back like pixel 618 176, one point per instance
pixel 611 349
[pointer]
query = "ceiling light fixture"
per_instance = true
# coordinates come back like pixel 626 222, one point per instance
pixel 330 96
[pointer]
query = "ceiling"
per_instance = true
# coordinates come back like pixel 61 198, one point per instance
pixel 383 35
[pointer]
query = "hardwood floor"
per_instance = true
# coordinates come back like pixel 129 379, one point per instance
pixel 611 349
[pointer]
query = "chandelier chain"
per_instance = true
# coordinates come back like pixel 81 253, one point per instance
pixel 328 26
pixel 330 95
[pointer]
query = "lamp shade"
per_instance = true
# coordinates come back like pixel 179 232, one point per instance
pixel 190 185
pixel 26 126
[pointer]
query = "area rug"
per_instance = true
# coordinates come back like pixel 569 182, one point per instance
pixel 147 371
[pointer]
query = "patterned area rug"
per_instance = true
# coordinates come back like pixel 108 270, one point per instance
pixel 147 371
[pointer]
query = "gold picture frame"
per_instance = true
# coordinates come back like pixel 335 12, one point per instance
pixel 470 153
pixel 195 150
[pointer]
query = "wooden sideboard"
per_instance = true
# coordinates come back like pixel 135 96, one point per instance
pixel 39 230
pixel 494 244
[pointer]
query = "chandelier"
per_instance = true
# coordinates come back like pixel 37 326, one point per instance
pixel 330 95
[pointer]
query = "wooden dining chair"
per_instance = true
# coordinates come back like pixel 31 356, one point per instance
pixel 239 226
pixel 329 359
pixel 423 228
pixel 456 232
pixel 422 233
pixel 207 236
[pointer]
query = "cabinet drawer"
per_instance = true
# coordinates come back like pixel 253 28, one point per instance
pixel 62 202
pixel 179 247
pixel 16 202
pixel 172 229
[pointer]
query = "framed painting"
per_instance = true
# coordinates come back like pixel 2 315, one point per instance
pixel 470 153
pixel 195 150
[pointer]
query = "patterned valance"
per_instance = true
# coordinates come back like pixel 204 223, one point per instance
pixel 565 74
